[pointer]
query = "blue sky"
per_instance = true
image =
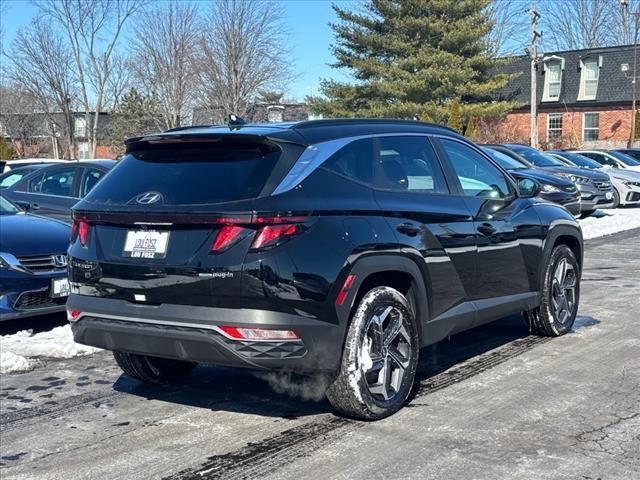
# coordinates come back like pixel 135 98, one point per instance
pixel 308 20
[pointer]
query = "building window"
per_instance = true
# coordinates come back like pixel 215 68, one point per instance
pixel 589 78
pixel 590 126
pixel 554 126
pixel 552 80
pixel 80 127
pixel 83 150
pixel 275 114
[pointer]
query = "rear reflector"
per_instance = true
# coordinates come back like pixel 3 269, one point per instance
pixel 227 235
pixel 342 295
pixel 72 315
pixel 259 333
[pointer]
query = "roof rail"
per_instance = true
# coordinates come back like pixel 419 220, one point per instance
pixel 342 121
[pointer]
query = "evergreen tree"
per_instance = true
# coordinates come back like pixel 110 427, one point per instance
pixel 134 116
pixel 410 56
pixel 471 132
pixel 455 117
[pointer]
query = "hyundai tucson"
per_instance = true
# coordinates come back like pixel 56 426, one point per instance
pixel 334 247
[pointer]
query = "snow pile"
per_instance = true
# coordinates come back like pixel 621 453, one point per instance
pixel 607 222
pixel 18 351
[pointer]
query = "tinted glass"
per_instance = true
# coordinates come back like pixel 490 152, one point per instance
pixel 478 177
pixel 408 164
pixel 504 160
pixel 200 173
pixel 626 159
pixel 90 179
pixel 12 177
pixel 600 158
pixel 580 160
pixel 354 161
pixel 635 154
pixel 536 157
pixel 6 207
pixel 58 182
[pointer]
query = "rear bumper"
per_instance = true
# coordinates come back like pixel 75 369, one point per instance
pixel 193 333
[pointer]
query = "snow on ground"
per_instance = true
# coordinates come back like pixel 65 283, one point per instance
pixel 607 222
pixel 19 352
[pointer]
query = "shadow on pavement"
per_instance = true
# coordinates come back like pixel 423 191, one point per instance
pixel 41 323
pixel 242 391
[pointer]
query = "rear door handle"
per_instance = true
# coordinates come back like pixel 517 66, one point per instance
pixel 408 229
pixel 486 229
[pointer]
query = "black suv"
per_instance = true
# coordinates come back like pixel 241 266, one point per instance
pixel 335 247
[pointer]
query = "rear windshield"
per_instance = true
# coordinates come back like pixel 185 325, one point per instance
pixel 184 174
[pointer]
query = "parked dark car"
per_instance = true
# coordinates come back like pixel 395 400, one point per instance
pixel 337 247
pixel 630 152
pixel 595 187
pixel 573 159
pixel 553 188
pixel 33 263
pixel 52 189
pixel 13 176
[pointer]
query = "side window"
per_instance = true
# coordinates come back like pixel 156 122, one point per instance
pixel 91 177
pixel 478 177
pixel 59 183
pixel 354 161
pixel 408 164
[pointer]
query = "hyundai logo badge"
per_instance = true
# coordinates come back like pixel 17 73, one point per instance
pixel 149 197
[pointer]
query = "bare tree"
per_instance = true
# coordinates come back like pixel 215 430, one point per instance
pixel 41 64
pixel 93 28
pixel 19 118
pixel 164 48
pixel 119 81
pixel 624 22
pixel 509 35
pixel 575 24
pixel 243 49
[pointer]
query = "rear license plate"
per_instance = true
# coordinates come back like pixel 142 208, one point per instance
pixel 60 288
pixel 608 195
pixel 146 244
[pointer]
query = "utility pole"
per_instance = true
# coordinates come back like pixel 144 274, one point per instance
pixel 533 52
pixel 634 75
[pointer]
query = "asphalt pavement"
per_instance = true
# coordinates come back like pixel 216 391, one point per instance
pixel 491 403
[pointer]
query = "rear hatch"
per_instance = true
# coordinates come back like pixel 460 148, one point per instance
pixel 173 221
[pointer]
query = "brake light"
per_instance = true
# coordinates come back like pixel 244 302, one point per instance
pixel 80 228
pixel 227 235
pixel 240 333
pixel 270 235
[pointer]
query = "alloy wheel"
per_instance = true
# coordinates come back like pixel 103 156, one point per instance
pixel 386 353
pixel 563 289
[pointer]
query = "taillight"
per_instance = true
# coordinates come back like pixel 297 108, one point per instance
pixel 81 229
pixel 271 235
pixel 73 315
pixel 227 235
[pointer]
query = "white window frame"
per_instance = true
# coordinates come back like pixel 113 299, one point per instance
pixel 83 150
pixel 584 116
pixel 555 115
pixel 550 63
pixel 582 92
pixel 80 127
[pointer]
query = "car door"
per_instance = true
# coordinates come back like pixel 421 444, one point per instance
pixel 412 191
pixel 52 192
pixel 507 229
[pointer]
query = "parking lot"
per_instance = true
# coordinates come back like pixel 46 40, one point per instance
pixel 489 403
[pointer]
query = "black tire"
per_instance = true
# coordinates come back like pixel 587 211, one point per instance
pixel 586 213
pixel 153 370
pixel 616 199
pixel 351 392
pixel 550 319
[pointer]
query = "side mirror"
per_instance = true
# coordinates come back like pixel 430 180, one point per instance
pixel 528 187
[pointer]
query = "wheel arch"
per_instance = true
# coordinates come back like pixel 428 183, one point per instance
pixel 563 233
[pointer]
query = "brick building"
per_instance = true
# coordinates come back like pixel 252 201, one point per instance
pixel 584 99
